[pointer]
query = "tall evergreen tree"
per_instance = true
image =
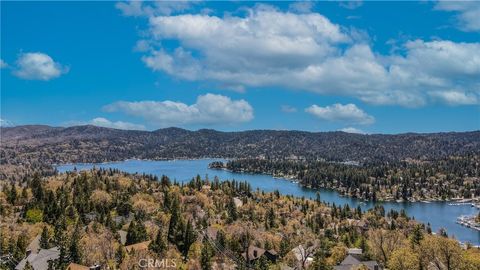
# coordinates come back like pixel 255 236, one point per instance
pixel 173 227
pixel 74 249
pixel 206 256
pixel 45 238
pixel 136 232
pixel 159 245
pixel 231 210
pixel 189 238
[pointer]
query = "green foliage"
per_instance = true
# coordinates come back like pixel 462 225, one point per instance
pixel 45 238
pixel 34 215
pixel 206 256
pixel 231 210
pixel 159 245
pixel 136 232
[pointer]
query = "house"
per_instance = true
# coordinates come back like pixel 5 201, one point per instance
pixel 238 203
pixel 34 246
pixel 39 260
pixel 123 219
pixel 253 253
pixel 138 246
pixel 212 233
pixel 123 236
pixel 354 260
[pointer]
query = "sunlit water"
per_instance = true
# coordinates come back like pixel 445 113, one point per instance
pixel 438 214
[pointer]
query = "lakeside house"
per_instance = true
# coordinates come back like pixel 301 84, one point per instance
pixel 354 260
pixel 39 260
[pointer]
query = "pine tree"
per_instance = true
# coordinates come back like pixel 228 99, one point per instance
pixel 231 210
pixel 136 232
pixel 205 256
pixel 12 195
pixel 45 238
pixel 416 236
pixel 188 239
pixel 159 245
pixel 74 249
pixel 174 221
pixel 271 218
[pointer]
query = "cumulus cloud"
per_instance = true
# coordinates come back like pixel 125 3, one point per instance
pixel 352 130
pixel 272 48
pixel 103 122
pixel 38 66
pixel 349 113
pixel 140 8
pixel 288 109
pixel 302 6
pixel 466 13
pixel 3 64
pixel 209 109
pixel 455 98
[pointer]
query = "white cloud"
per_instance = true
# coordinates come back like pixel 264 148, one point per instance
pixel 139 8
pixel 455 98
pixel 6 123
pixel 352 130
pixel 466 13
pixel 3 64
pixel 38 66
pixel 103 122
pixel 288 109
pixel 349 113
pixel 302 6
pixel 271 48
pixel 209 109
pixel 351 4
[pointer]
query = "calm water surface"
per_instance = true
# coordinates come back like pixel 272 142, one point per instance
pixel 438 214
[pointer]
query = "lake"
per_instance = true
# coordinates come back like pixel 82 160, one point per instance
pixel 438 214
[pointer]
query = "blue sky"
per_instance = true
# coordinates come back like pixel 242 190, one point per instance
pixel 373 67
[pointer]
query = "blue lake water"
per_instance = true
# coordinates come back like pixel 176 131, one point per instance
pixel 438 214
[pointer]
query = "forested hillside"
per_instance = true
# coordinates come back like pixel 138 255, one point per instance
pixel 441 179
pixel 114 219
pixel 50 145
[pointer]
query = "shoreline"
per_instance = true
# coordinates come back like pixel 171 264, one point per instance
pixel 293 179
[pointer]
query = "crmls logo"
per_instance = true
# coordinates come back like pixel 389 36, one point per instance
pixel 156 263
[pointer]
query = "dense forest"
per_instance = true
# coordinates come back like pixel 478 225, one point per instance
pixel 112 219
pixel 446 178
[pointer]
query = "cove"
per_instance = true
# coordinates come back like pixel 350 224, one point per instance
pixel 438 214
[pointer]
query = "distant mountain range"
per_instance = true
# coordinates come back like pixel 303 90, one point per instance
pixel 98 144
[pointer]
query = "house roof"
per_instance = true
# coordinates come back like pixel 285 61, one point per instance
pixel 253 253
pixel 123 236
pixel 39 261
pixel 138 246
pixel 34 246
pixel 354 260
pixel 212 233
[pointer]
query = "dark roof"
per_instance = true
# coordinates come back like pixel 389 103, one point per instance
pixel 39 261
pixel 353 261
pixel 253 253
pixel 256 252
